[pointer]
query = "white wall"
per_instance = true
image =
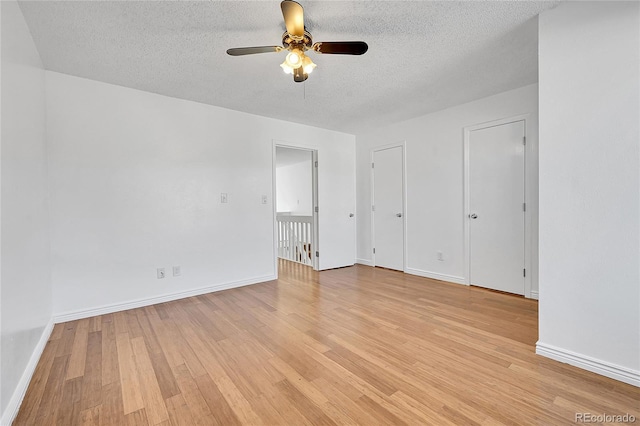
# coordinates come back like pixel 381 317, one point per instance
pixel 25 271
pixel 136 181
pixel 589 186
pixel 434 179
pixel 2 406
pixel 294 192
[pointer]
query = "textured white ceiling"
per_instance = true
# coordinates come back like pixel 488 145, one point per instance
pixel 423 56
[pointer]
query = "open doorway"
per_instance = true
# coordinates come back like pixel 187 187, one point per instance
pixel 296 196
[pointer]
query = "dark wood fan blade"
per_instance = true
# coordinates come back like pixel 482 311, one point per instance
pixel 341 47
pixel 239 51
pixel 293 18
pixel 299 75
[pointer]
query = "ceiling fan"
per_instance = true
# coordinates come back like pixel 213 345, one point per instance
pixel 297 40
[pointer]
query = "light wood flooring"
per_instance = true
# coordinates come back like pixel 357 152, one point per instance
pixel 356 345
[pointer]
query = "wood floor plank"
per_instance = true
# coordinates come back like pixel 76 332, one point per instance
pixel 33 397
pixel 112 412
pixel 120 322
pixel 110 368
pixel 248 377
pixel 92 377
pixel 379 413
pixel 191 392
pixel 219 407
pixel 95 324
pixel 70 407
pixel 352 363
pixel 133 325
pixel 179 413
pixel 149 388
pixel 350 411
pixel 268 413
pixel 238 403
pixel 129 384
pixel 299 382
pixel 52 395
pixel 144 319
pixel 90 417
pixel 183 354
pixel 57 331
pixel 65 345
pixel 162 329
pixel 208 353
pixel 268 373
pixel 420 410
pixel 162 310
pixel 353 346
pixel 136 418
pixel 164 375
pixel 279 402
pixel 306 406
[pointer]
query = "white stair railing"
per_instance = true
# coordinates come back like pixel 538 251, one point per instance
pixel 294 238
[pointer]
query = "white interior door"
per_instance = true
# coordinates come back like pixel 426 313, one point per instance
pixel 336 201
pixel 388 211
pixel 496 207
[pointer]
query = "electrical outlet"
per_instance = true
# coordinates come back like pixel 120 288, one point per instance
pixel 160 272
pixel 177 271
pixel 440 256
pixel 264 199
pixel 223 197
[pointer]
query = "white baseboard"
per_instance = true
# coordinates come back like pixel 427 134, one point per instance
pixel 366 262
pixel 436 276
pixel 117 307
pixel 534 295
pixel 13 407
pixel 585 362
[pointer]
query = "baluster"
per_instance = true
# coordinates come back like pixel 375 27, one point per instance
pixel 303 255
pixel 307 242
pixel 298 255
pixel 295 235
pixel 284 239
pixel 307 231
pixel 280 254
pixel 286 230
pixel 291 236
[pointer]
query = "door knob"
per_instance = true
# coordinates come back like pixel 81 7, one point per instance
pixel 473 216
pixel 351 214
pixel 399 215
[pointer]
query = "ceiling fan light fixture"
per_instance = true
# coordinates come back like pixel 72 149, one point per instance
pixel 296 40
pixel 308 65
pixel 286 68
pixel 294 58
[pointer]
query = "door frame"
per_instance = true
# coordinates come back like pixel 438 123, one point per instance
pixel 403 146
pixel 528 199
pixel 315 261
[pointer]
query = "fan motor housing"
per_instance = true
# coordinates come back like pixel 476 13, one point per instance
pixel 290 42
